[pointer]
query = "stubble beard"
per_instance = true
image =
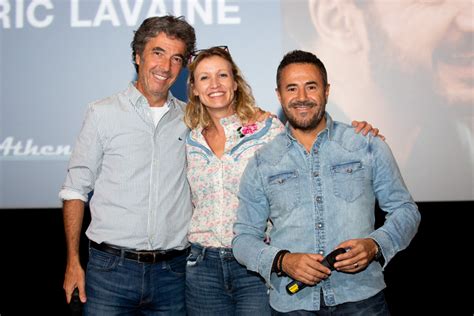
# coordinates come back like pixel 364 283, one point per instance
pixel 305 124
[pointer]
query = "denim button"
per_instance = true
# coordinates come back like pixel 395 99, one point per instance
pixel 321 252
pixel 315 174
pixel 320 225
pixel 319 199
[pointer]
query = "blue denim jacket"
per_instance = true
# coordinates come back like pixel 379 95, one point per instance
pixel 317 200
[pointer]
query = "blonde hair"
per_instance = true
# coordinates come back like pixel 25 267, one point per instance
pixel 196 114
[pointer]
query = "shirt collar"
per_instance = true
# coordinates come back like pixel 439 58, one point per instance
pixel 329 126
pixel 229 123
pixel 137 99
pixel 329 129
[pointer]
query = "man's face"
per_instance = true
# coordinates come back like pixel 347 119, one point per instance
pixel 158 67
pixel 430 40
pixel 303 96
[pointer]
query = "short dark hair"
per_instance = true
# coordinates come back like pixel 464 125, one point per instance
pixel 301 57
pixel 175 27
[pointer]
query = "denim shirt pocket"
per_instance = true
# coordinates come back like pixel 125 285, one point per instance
pixel 284 189
pixel 348 180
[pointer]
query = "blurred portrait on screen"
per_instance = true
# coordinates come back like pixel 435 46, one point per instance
pixel 407 66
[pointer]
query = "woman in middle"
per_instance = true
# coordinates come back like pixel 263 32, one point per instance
pixel 225 134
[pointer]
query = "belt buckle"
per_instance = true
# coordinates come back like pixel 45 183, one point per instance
pixel 147 257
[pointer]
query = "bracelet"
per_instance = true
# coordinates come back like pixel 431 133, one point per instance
pixel 378 255
pixel 279 268
pixel 275 261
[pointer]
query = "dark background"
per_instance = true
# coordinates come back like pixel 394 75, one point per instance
pixel 431 277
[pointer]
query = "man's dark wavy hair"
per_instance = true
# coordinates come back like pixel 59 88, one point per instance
pixel 175 27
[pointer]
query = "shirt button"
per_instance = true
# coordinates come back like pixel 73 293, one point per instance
pixel 320 225
pixel 349 170
pixel 315 150
pixel 315 174
pixel 319 199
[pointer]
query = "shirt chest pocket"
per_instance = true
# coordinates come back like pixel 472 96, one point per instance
pixel 348 180
pixel 284 190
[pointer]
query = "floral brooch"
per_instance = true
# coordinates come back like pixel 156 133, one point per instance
pixel 247 130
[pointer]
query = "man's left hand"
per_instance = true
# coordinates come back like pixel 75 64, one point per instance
pixel 360 254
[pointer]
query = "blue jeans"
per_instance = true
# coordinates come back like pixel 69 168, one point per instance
pixel 216 284
pixel 373 306
pixel 120 286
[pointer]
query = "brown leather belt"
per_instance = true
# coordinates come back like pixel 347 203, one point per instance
pixel 143 256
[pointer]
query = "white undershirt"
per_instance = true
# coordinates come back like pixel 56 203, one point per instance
pixel 157 112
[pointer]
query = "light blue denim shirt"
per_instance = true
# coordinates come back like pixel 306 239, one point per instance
pixel 317 200
pixel 141 195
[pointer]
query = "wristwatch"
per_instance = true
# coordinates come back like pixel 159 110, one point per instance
pixel 378 255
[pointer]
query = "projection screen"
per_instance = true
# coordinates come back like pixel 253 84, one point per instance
pixel 405 66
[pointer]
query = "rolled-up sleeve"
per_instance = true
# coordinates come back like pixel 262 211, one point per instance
pixel 86 158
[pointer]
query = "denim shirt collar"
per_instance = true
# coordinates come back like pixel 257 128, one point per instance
pixel 329 129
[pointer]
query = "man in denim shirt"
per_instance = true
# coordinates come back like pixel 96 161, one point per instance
pixel 318 184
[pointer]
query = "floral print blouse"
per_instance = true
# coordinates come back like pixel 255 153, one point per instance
pixel 215 182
